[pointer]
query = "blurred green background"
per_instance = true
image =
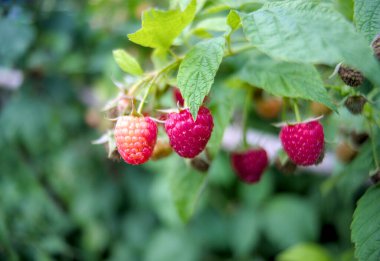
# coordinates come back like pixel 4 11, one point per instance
pixel 62 199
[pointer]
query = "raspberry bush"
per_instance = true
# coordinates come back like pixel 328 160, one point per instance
pixel 255 125
pixel 289 60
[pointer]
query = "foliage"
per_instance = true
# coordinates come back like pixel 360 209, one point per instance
pixel 60 199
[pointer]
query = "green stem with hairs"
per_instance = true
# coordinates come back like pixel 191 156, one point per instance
pixel 296 111
pixel 154 80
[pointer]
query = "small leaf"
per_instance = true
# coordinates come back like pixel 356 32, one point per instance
pixel 367 17
pixel 233 20
pixel 126 62
pixel 304 251
pixel 197 71
pixel 365 226
pixel 216 24
pixel 160 28
pixel 285 79
pixel 309 32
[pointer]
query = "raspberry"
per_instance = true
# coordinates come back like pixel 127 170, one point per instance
pixel 188 137
pixel 303 142
pixel 375 176
pixel 376 46
pixel 178 97
pixel 269 108
pixel 161 150
pixel 287 167
pixel 350 76
pixel 318 109
pixel 355 104
pixel 250 165
pixel 345 152
pixel 200 164
pixel 358 139
pixel 135 138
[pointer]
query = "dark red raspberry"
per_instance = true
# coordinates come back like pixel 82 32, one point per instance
pixel 303 142
pixel 188 137
pixel 250 165
pixel 178 97
pixel 135 138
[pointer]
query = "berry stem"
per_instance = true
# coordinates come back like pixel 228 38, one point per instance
pixel 151 83
pixel 296 111
pixel 154 79
pixel 247 106
pixel 374 152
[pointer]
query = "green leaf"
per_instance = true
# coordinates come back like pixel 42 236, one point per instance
pixel 285 79
pixel 216 24
pixel 171 244
pixel 345 7
pixel 304 251
pixel 245 233
pixel 367 17
pixel 126 62
pixel 197 71
pixel 160 28
pixel 290 220
pixel 233 20
pixel 309 32
pixel 186 186
pixel 365 226
pixel 16 37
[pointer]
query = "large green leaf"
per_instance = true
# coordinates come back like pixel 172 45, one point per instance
pixel 285 79
pixel 160 28
pixel 186 186
pixel 309 32
pixel 367 17
pixel 127 62
pixel 290 220
pixel 365 226
pixel 197 71
pixel 16 37
pixel 304 251
pixel 245 232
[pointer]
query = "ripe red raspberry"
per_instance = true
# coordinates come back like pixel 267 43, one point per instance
pixel 250 165
pixel 303 142
pixel 135 138
pixel 188 137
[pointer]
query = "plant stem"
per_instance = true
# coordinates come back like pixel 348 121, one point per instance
pixel 374 152
pixel 247 106
pixel 240 50
pixel 153 81
pixel 228 40
pixel 284 108
pixel 296 111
